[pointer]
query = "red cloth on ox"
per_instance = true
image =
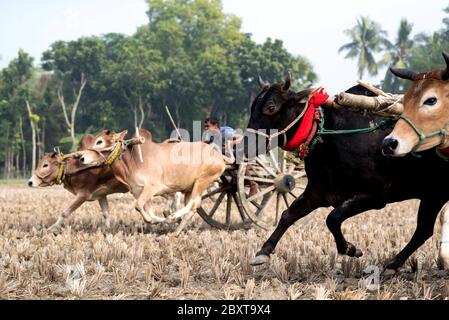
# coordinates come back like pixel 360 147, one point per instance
pixel 317 99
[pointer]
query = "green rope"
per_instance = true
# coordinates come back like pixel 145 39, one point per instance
pixel 423 137
pixel 383 124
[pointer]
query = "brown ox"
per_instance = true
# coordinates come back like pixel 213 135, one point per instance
pixel 88 185
pixel 167 168
pixel 424 125
pixel 425 121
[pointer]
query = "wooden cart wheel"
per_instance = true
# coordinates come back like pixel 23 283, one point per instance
pixel 221 207
pixel 280 180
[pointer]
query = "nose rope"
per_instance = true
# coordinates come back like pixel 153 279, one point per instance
pixel 423 137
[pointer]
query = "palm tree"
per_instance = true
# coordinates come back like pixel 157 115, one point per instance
pixel 367 38
pixel 426 55
pixel 397 56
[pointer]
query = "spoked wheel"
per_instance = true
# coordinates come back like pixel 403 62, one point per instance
pixel 222 207
pixel 269 184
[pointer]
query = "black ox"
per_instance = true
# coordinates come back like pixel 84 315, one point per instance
pixel 350 172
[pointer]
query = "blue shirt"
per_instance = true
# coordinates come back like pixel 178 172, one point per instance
pixel 227 133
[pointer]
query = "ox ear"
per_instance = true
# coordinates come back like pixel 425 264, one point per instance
pixel 86 142
pixel 120 136
pixel 445 74
pixel 288 81
pixel 404 73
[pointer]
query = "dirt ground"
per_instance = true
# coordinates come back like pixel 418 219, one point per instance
pixel 132 260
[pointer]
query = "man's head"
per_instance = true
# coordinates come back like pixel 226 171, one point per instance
pixel 211 124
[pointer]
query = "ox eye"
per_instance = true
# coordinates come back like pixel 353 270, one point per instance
pixel 271 108
pixel 45 165
pixel 431 101
pixel 99 142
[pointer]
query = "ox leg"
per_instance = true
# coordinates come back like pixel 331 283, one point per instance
pixel 194 200
pixel 143 205
pixel 66 212
pixel 348 209
pixel 178 199
pixel 185 221
pixel 168 205
pixel 104 205
pixel 299 209
pixel 427 215
pixel 444 249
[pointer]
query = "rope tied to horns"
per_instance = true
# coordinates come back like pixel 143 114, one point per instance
pixel 60 175
pixel 115 154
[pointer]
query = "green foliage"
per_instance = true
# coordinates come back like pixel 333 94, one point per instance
pixel 367 38
pixel 426 54
pixel 397 55
pixel 191 56
pixel 65 142
pixel 421 53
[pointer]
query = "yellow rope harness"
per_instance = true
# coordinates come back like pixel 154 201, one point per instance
pixel 114 155
pixel 60 171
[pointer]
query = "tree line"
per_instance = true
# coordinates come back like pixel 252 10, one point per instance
pixel 421 52
pixel 190 56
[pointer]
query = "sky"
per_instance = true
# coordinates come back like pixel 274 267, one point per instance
pixel 313 29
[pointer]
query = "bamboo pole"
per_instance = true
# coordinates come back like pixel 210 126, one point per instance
pixel 384 104
pixel 372 88
pixel 173 123
pixel 139 148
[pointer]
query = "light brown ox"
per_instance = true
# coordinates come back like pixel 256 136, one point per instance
pixel 167 168
pixel 88 185
pixel 426 114
pixel 425 121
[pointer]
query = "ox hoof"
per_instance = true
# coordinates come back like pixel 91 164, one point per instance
pixel 388 273
pixel 159 220
pixel 173 219
pixel 395 265
pixel 353 252
pixel 148 221
pixel 54 230
pixel 358 253
pixel 260 260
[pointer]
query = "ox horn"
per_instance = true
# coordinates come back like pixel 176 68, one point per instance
pixel 404 73
pixel 445 74
pixel 262 83
pixel 288 81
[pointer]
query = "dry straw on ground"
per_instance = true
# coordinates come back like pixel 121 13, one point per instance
pixel 131 260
